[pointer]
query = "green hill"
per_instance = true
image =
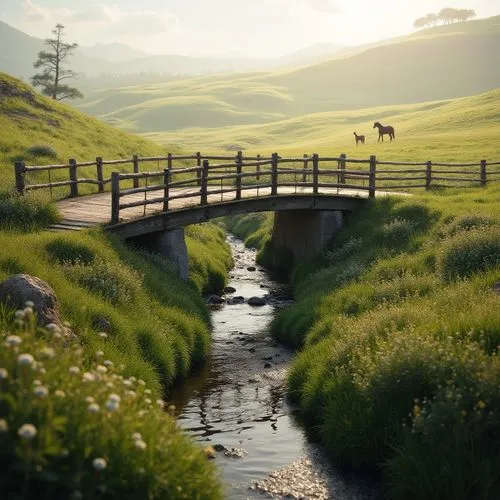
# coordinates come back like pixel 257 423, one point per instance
pixel 434 64
pixel 40 130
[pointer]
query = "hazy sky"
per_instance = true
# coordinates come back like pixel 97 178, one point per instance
pixel 249 27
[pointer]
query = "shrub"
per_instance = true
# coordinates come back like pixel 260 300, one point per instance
pixel 351 246
pixel 75 430
pixel 25 213
pixel 70 252
pixel 397 233
pixel 467 223
pixel 40 150
pixel 470 252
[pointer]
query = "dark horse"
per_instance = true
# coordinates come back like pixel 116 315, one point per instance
pixel 359 138
pixel 384 130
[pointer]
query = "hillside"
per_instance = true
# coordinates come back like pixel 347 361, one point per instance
pixel 434 64
pixel 430 130
pixel 41 130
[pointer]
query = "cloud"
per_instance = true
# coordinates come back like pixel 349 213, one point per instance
pixel 329 6
pixel 111 17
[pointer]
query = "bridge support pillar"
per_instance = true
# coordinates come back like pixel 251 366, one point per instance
pixel 171 245
pixel 305 233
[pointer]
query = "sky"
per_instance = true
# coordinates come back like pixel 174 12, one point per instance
pixel 253 28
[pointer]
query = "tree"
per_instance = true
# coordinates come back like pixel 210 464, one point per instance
pixel 53 72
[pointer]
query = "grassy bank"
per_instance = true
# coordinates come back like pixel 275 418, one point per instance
pixel 398 328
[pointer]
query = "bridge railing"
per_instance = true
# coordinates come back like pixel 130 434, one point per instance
pixel 258 176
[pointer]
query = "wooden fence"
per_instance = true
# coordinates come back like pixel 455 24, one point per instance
pixel 264 175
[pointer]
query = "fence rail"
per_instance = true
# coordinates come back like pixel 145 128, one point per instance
pixel 199 179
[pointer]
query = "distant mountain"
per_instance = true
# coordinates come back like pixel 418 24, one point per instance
pixel 114 52
pixel 311 54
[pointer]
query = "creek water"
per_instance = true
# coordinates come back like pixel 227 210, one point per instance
pixel 238 404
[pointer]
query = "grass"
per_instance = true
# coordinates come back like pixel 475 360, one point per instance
pixel 73 426
pixel 397 326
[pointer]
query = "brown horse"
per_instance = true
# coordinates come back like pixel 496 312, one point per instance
pixel 384 130
pixel 359 138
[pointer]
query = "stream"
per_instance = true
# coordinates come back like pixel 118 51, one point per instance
pixel 237 403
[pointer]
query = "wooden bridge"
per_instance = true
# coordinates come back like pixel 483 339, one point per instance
pixel 195 188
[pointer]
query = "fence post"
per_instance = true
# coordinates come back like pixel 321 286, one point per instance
pixel 204 183
pixel 258 168
pixel 239 165
pixel 135 160
pixel 100 177
pixel 73 177
pixel 169 161
pixel 198 164
pixel 274 174
pixel 428 175
pixel 166 188
pixel 20 169
pixel 373 168
pixel 342 164
pixel 115 197
pixel 306 164
pixel 483 172
pixel 315 173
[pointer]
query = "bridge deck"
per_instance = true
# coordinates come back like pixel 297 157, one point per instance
pixel 96 209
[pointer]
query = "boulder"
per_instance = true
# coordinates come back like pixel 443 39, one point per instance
pixel 236 300
pixel 101 324
pixel 229 289
pixel 251 268
pixel 21 288
pixel 256 301
pixel 215 299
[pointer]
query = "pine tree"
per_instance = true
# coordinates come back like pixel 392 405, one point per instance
pixel 53 73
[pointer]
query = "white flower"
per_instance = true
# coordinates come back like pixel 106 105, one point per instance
pixel 99 354
pixel 27 431
pixel 99 464
pixel 19 314
pixel 37 382
pixel 48 353
pixel 4 426
pixel 41 392
pixel 136 436
pixel 28 310
pixel 147 391
pixel 59 393
pixel 93 408
pixel 110 385
pixel 115 398
pixel 25 359
pixel 3 374
pixel 108 363
pixel 141 382
pixel 29 303
pixel 140 444
pixel 13 340
pixel 53 328
pixel 148 401
pixel 74 370
pixel 112 405
pixel 89 399
pixel 103 335
pixel 160 403
pixel 131 394
pixel 127 382
pixel 88 377
pixel 101 369
pixel 132 379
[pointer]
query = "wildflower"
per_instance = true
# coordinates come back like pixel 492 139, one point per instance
pixel 108 363
pixel 93 408
pixel 132 379
pixel 99 464
pixel 60 394
pixel 53 328
pixel 19 314
pixel 147 391
pixel 13 340
pixel 29 303
pixel 89 399
pixel 37 382
pixel 110 385
pixel 141 382
pixel 74 370
pixel 115 398
pixel 3 374
pixel 47 353
pixel 28 311
pixel 136 436
pixel 4 426
pixel 160 403
pixel 101 369
pixel 131 394
pixel 127 382
pixel 64 452
pixel 147 401
pixel 25 359
pixel 140 444
pixel 41 392
pixel 99 354
pixel 112 405
pixel 27 431
pixel 103 335
pixel 88 377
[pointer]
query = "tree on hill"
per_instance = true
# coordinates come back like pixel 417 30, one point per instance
pixel 53 73
pixel 447 15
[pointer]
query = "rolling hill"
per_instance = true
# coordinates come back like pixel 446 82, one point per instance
pixel 438 63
